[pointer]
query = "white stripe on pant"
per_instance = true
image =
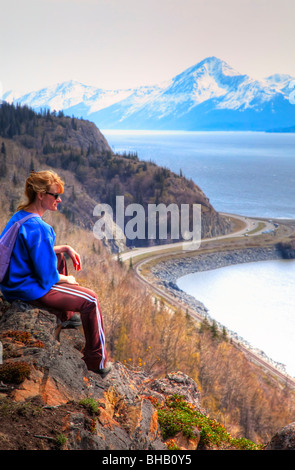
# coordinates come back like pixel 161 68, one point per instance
pixel 85 295
pixel 63 300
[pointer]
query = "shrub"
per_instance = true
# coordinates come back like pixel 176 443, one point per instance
pixel 177 415
pixel 14 372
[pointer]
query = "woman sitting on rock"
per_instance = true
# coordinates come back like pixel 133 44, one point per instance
pixel 38 274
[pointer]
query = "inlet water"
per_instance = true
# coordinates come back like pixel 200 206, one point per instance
pixel 254 300
pixel 248 173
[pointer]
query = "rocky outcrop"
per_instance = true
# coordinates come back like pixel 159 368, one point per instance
pixel 91 413
pixel 49 400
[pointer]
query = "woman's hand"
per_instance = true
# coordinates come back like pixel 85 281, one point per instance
pixel 75 258
pixel 67 279
pixel 72 254
pixel 71 280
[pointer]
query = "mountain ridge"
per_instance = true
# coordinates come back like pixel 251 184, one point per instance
pixel 209 95
pixel 94 174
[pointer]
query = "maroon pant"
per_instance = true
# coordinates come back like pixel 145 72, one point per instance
pixel 64 299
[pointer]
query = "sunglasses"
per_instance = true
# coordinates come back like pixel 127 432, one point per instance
pixel 56 195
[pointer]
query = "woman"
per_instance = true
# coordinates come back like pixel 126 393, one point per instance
pixel 38 273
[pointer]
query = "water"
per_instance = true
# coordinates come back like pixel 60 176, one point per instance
pixel 248 173
pixel 256 300
pixel 244 173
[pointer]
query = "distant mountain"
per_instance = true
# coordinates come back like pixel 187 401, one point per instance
pixel 208 96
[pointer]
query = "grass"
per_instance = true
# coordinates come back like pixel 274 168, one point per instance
pixel 90 405
pixel 60 440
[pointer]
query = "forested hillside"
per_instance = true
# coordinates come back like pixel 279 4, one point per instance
pixel 141 331
pixel 93 173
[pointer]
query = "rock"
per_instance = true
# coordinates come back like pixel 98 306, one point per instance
pixel 284 439
pixel 57 377
pixel 46 394
pixel 185 443
pixel 177 383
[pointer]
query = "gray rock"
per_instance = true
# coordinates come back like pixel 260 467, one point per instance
pixel 284 439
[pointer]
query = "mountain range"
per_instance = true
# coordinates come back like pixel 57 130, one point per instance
pixel 208 96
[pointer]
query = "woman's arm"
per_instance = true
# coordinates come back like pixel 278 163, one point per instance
pixel 60 248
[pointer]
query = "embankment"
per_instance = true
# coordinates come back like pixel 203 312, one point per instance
pixel 170 270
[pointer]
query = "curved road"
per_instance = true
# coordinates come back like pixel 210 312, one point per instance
pixel 251 227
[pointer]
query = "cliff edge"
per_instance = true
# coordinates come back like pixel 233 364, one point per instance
pixel 47 395
pixel 50 401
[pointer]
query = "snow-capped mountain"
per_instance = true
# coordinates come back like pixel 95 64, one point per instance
pixel 68 94
pixel 208 96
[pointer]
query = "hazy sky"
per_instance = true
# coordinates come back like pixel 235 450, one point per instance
pixel 126 43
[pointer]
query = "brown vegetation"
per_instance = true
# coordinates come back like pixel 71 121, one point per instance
pixel 141 331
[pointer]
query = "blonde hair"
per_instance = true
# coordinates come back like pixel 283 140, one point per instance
pixel 40 182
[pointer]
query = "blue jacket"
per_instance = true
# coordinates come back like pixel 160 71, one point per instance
pixel 33 266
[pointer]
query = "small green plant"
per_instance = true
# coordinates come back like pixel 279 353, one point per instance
pixel 28 409
pixel 61 440
pixel 177 415
pixel 91 405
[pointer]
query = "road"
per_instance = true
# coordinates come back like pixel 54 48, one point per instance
pixel 140 256
pixel 251 227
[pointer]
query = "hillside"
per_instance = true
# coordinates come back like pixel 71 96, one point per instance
pixel 148 341
pixel 49 400
pixel 78 151
pixel 174 384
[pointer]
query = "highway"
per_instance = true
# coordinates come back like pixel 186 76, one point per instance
pixel 251 227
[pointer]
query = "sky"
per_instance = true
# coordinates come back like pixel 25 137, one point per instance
pixel 115 44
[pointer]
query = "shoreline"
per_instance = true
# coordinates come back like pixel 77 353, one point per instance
pixel 172 269
pixel 167 272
